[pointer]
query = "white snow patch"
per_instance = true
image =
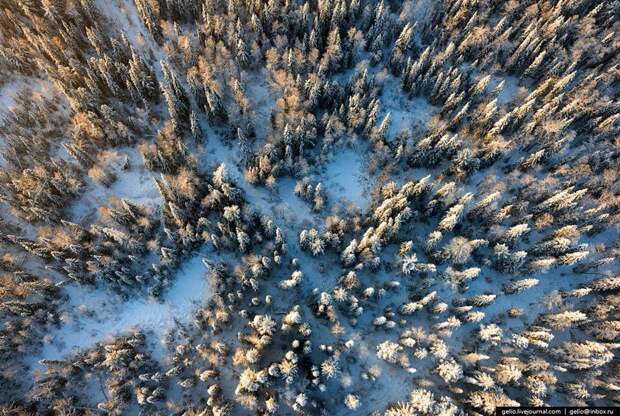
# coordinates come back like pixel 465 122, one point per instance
pixel 405 113
pixel 345 178
pixel 510 91
pixel 18 85
pixel 263 100
pixel 7 96
pixel 98 315
pixel 292 209
pixel 419 11
pixel 138 186
pixel 125 16
pixel 413 114
pixel 135 184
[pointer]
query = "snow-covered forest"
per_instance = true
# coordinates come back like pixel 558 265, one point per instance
pixel 308 207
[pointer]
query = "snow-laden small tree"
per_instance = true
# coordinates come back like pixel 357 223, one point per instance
pixel 389 351
pixel 449 370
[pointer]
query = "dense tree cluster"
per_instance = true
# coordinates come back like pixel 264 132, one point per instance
pixel 480 273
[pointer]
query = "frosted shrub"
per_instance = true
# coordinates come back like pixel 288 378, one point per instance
pixel 439 349
pixel 263 324
pixel 564 320
pixel 389 351
pixel 449 370
pixel 584 355
pixel 520 285
pixel 330 368
pixel 491 333
pixel 352 401
pixel 422 400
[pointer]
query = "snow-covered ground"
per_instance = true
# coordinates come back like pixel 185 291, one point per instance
pixel 126 18
pixel 405 113
pixel 510 90
pixel 262 101
pixel 13 87
pixel 134 183
pixel 345 178
pixel 95 314
pixel 7 96
pixel 290 208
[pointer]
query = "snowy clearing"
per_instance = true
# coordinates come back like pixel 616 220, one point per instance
pixel 346 179
pixel 97 315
